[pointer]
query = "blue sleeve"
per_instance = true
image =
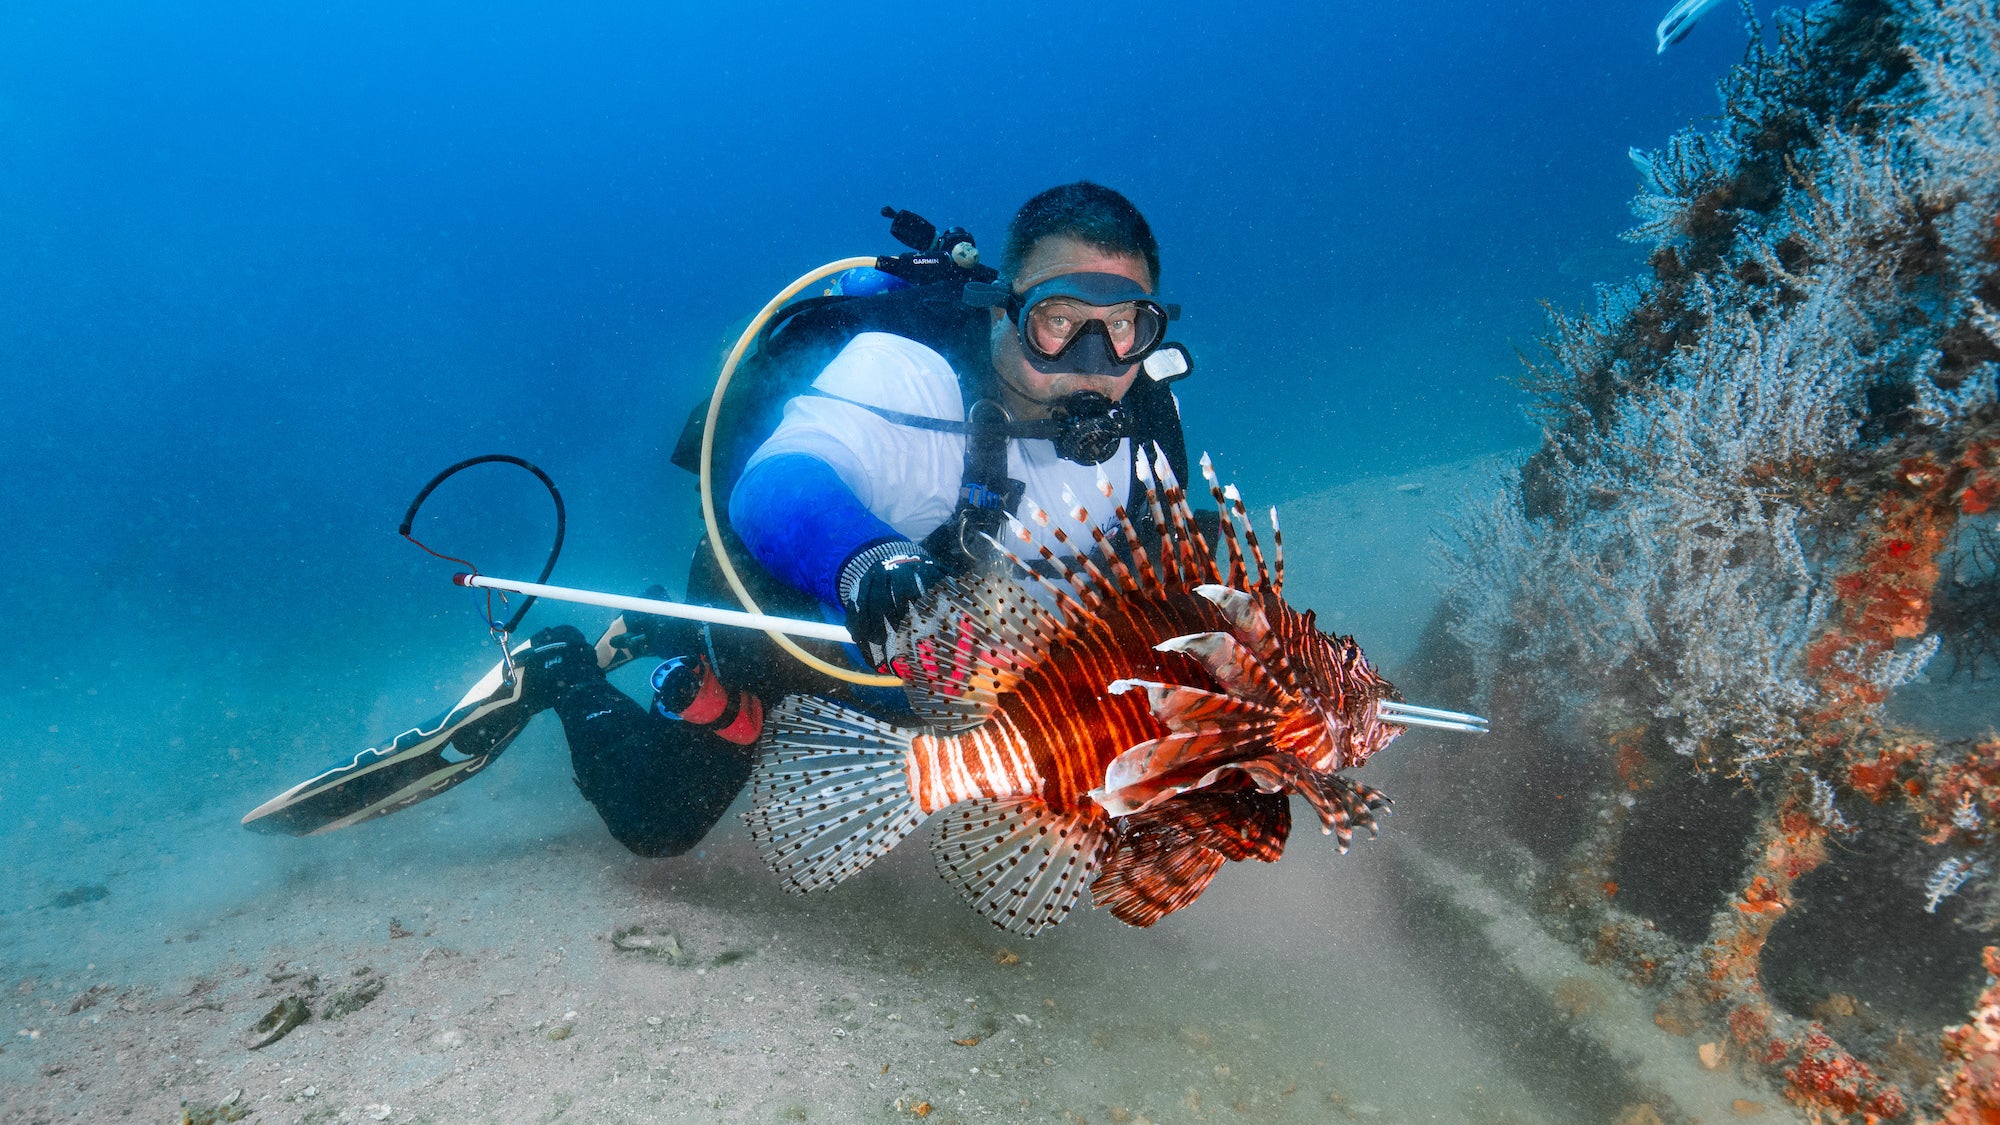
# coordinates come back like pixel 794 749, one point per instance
pixel 801 521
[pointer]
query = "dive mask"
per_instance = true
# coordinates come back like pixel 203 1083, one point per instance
pixel 1081 323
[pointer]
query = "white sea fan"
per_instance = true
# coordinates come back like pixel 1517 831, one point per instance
pixel 1894 669
pixel 1671 179
pixel 1668 551
pixel 1939 406
pixel 1966 815
pixel 1823 807
pixel 1952 873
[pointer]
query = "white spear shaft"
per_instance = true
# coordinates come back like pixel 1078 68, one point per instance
pixel 817 629
pixel 1401 713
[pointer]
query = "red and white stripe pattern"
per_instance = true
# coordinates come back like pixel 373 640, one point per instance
pixel 1027 706
pixel 987 761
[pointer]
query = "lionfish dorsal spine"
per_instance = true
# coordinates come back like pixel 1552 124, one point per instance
pixel 1169 564
pixel 1104 587
pixel 1030 627
pixel 1242 518
pixel 1277 555
pixel 1238 576
pixel 1045 623
pixel 1085 591
pixel 1149 580
pixel 1196 556
pixel 1071 608
pixel 1127 584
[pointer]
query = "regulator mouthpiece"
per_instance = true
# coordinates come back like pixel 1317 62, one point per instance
pixel 1089 427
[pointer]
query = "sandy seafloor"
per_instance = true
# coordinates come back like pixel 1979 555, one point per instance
pixel 143 936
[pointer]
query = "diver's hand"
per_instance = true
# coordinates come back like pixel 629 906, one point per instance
pixel 877 587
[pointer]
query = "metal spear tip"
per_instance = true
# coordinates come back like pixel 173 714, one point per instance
pixel 1411 715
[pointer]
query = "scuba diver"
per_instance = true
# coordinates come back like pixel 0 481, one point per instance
pixel 875 442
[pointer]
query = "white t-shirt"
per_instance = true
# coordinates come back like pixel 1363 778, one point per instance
pixel 909 477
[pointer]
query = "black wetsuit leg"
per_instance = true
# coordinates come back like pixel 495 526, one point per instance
pixel 660 784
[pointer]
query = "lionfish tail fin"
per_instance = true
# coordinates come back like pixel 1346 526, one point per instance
pixel 1019 862
pixel 831 793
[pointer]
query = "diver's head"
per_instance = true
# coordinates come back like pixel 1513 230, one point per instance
pixel 1082 264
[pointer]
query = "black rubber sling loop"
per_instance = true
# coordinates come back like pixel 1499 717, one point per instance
pixel 555 549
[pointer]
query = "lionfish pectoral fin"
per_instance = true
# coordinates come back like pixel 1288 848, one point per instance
pixel 1167 854
pixel 831 793
pixel 1159 768
pixel 1187 708
pixel 1264 772
pixel 1152 873
pixel 1245 611
pixel 1019 862
pixel 1234 666
pixel 1239 823
pixel 1155 770
pixel 1343 806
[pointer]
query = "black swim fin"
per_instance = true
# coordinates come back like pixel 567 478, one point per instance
pixel 421 762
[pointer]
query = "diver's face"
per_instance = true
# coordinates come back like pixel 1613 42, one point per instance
pixel 1027 391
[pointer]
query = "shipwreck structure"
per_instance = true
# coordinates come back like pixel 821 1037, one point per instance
pixel 1767 502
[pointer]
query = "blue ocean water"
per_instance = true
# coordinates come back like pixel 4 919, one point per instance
pixel 267 267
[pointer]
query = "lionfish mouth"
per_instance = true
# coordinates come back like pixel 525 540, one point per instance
pixel 1410 715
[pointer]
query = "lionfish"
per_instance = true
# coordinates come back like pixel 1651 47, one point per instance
pixel 1130 730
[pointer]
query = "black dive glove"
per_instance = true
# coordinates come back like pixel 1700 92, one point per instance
pixel 877 586
pixel 557 660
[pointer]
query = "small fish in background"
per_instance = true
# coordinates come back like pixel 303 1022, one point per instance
pixel 1147 729
pixel 1680 20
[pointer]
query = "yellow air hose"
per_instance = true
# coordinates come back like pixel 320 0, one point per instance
pixel 708 456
